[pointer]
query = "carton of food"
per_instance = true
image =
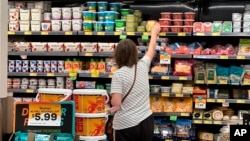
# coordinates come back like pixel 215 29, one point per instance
pixel 88 47
pixel 21 46
pixel 106 47
pixel 38 46
pixel 72 46
pixel 55 46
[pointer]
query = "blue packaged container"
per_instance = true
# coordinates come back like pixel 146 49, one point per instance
pixel 91 5
pixel 102 6
pixel 109 26
pixel 114 6
pixel 101 16
pixel 110 16
pixel 98 26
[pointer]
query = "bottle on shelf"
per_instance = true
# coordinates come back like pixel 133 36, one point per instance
pixel 92 65
pixel 101 66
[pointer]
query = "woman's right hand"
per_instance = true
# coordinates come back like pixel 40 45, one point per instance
pixel 156 29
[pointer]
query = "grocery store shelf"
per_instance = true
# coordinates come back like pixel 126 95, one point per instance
pixel 223 34
pixel 239 101
pixel 22 90
pixel 217 122
pixel 42 32
pixel 94 75
pixel 171 94
pixel 236 57
pixel 101 33
pixel 42 74
pixel 11 53
pixel 171 114
pixel 169 77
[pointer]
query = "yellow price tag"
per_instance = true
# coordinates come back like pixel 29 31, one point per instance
pixel 33 74
pixel 210 82
pixel 44 115
pixel 182 78
pixel 50 74
pixel 199 81
pixel 117 33
pixel 68 33
pixel 100 33
pixel 88 54
pixel 11 33
pixel 150 77
pixel 165 77
pixel 239 57
pixel 197 121
pixel 179 95
pixel 88 33
pixel 146 33
pixel 162 34
pixel 218 122
pixel 223 81
pixel 29 91
pixel 44 33
pixel 185 114
pixel 221 100
pixel 111 75
pixel 223 57
pixel 27 33
pixel 168 140
pixel 200 34
pixel 181 34
pixel 240 101
pixel 131 33
pixel 216 34
pixel 207 122
pixel 165 94
pixel 95 73
pixel 211 100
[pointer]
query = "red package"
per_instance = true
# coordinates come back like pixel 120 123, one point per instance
pixel 183 67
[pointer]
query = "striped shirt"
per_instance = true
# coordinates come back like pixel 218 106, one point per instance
pixel 136 106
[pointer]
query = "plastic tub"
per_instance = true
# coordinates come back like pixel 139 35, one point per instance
pixel 110 15
pixel 66 25
pixel 155 88
pixel 87 26
pixel 98 26
pixel 165 28
pixel 88 16
pixel 120 23
pixel 189 15
pixel 165 89
pixel 66 13
pixel 77 12
pixel 53 95
pixel 176 28
pixel 90 124
pixel 165 22
pixel 56 13
pixel 91 5
pixel 76 25
pixel 102 6
pixel 141 28
pixel 178 22
pixel 56 25
pixel 130 23
pixel 125 12
pixel 189 22
pixel 93 138
pixel 177 15
pixel 90 100
pixel 109 26
pixel 114 6
pixel 150 24
pixel 130 28
pixel 101 16
pixel 130 17
pixel 166 15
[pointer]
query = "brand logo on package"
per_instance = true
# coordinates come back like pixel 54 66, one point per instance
pixel 238 132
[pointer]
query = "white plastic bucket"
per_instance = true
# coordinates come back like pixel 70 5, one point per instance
pixel 53 95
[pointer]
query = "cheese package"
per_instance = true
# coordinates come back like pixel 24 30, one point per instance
pixel 38 46
pixel 55 46
pixel 72 46
pixel 88 47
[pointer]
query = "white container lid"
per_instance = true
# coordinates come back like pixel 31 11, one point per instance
pixel 90 91
pixel 55 91
pixel 91 115
pixel 92 138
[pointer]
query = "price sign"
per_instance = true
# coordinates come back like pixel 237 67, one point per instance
pixel 123 37
pixel 200 103
pixel 240 101
pixel 183 78
pixel 165 59
pixel 95 73
pixel 131 33
pixel 110 75
pixel 72 74
pixel 224 82
pixel 165 94
pixel 210 100
pixel 199 82
pixel 173 118
pixel 207 122
pixel 33 74
pixel 144 37
pixel 162 34
pixel 223 57
pixel 165 77
pixel 44 33
pixel 117 33
pixel 45 115
pixel 88 33
pixel 200 34
pixel 239 57
pixel 27 33
pixel 50 74
pixel 88 54
pixel 100 33
pixel 220 100
pixel 25 111
pixel 68 33
pixel 197 121
pixel 11 33
pixel 150 77
pixel 181 34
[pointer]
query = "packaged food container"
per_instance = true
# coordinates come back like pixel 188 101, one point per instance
pixel 101 16
pixel 24 14
pixel 56 13
pixel 66 13
pixel 35 25
pixel 130 23
pixel 150 24
pixel 141 28
pixel 236 16
pixel 77 12
pixel 120 23
pixel 155 88
pixel 88 16
pixel 13 14
pixel 102 6
pixel 178 22
pixel 177 15
pixel 188 22
pixel 46 26
pixel 13 25
pixel 165 22
pixel 110 15
pixel 176 28
pixel 56 25
pixel 130 28
pixel 87 26
pixel 24 25
pixel 166 15
pixel 53 95
pixel 98 26
pixel 198 26
pixel 227 26
pixel 187 28
pixel 114 6
pixel 47 16
pixel 189 15
pixel 130 17
pixel 217 26
pixel 91 5
pixel 165 89
pixel 76 25
pixel 246 16
pixel 36 14
pixel 125 12
pixel 138 13
pixel 66 25
pixel 109 26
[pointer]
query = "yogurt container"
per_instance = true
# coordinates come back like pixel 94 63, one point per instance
pixel 24 14
pixel 56 25
pixel 109 26
pixel 102 6
pixel 66 25
pixel 66 13
pixel 101 16
pixel 76 25
pixel 87 26
pixel 47 16
pixel 77 12
pixel 91 5
pixel 88 16
pixel 114 6
pixel 98 26
pixel 56 13
pixel 110 15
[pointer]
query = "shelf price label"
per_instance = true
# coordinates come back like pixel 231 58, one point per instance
pixel 117 33
pixel 110 75
pixel 68 33
pixel 223 82
pixel 224 57
pixel 95 73
pixel 183 78
pixel 185 114
pixel 11 33
pixel 179 95
pixel 239 57
pixel 199 82
pixel 150 77
pixel 123 37
pixel 221 100
pixel 200 34
pixel 216 34
pixel 197 121
pixel 44 115
pixel 165 94
pixel 50 74
pixel 173 118
pixel 210 100
pixel 27 33
pixel 181 34
pixel 29 91
pixel 165 77
pixel 207 122
pixel 33 74
pixel 162 34
pixel 131 33
pixel 146 33
pixel 88 33
pixel 100 33
pixel 88 54
pixel 44 33
pixel 240 101
pixel 217 122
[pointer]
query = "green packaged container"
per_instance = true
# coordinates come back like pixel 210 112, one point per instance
pixel 125 12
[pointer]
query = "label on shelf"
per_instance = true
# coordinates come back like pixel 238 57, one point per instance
pixel 45 115
pixel 165 77
pixel 162 34
pixel 29 91
pixel 44 33
pixel 211 100
pixel 11 33
pixel 211 82
pixel 197 121
pixel 110 75
pixel 173 118
pixel 240 57
pixel 218 122
pixel 150 77
pixel 225 104
pixel 144 37
pixel 181 34
pixel 88 33
pixel 100 33
pixel 185 114
pixel 33 74
pixel 179 95
pixel 165 59
pixel 50 74
pixel 200 34
pixel 223 56
pixel 207 122
pixel 27 33
pixel 223 82
pixel 68 33
pixel 216 34
pixel 117 33
pixel 131 33
pixel 199 81
pixel 240 101
pixel 88 54
pixel 146 33
pixel 220 100
pixel 165 94
pixel 183 78
pixel 123 37
pixel 95 73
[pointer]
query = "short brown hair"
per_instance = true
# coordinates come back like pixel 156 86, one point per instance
pixel 126 53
